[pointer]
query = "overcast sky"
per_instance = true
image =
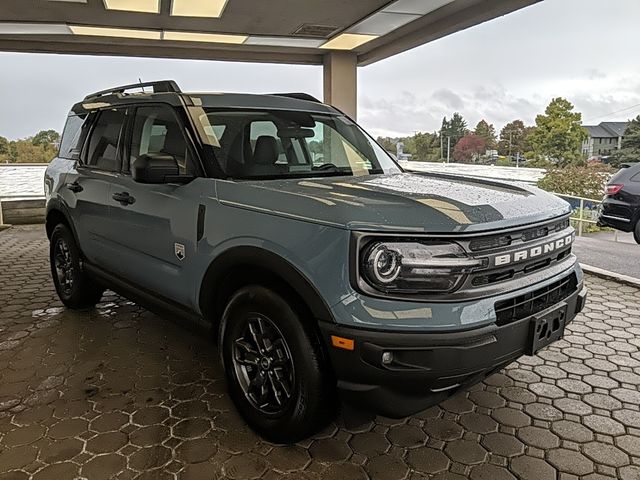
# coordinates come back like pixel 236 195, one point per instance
pixel 584 50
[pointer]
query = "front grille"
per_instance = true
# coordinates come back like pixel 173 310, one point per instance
pixel 481 279
pixel 526 235
pixel 524 306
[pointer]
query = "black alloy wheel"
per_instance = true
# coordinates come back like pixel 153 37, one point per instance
pixel 75 288
pixel 277 373
pixel 63 265
pixel 263 365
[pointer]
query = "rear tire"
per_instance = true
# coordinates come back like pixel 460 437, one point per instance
pixel 277 375
pixel 75 288
pixel 636 232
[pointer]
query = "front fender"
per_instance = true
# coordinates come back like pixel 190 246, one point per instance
pixel 260 257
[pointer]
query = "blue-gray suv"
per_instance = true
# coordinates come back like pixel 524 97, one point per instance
pixel 325 272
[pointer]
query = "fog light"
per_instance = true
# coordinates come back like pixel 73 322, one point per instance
pixel 387 358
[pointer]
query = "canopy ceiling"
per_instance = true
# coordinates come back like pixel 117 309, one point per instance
pixel 284 31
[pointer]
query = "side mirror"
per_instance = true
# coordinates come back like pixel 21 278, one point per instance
pixel 155 168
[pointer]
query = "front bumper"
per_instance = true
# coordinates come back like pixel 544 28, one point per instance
pixel 426 367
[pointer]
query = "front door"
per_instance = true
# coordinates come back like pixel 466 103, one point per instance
pixel 155 225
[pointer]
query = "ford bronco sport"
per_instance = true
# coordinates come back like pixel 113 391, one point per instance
pixel 325 271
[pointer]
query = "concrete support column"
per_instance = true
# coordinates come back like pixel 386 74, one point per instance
pixel 341 81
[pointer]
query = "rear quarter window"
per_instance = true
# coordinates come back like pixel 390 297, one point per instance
pixel 70 142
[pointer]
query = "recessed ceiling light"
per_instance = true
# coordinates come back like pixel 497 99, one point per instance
pixel 115 32
pixel 348 41
pixel 145 6
pixel 204 37
pixel 197 8
pixel 11 28
pixel 418 7
pixel 382 23
pixel 285 42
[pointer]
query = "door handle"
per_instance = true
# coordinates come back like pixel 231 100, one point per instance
pixel 123 198
pixel 74 187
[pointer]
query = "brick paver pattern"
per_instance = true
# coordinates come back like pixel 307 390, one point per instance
pixel 118 392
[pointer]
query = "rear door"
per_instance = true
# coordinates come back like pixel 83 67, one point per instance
pixel 155 229
pixel 87 185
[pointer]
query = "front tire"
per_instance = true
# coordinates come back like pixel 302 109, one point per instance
pixel 636 232
pixel 278 378
pixel 75 288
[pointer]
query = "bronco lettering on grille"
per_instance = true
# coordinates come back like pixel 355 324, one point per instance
pixel 529 253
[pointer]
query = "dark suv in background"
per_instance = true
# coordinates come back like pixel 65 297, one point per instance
pixel 621 204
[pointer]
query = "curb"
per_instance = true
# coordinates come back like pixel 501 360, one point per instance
pixel 606 274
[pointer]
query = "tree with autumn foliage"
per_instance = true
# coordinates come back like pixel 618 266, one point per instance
pixel 469 148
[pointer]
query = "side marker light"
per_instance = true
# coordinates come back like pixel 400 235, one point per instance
pixel 343 343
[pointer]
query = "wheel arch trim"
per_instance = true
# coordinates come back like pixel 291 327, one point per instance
pixel 54 207
pixel 238 256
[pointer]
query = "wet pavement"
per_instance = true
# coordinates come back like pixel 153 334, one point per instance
pixel 118 392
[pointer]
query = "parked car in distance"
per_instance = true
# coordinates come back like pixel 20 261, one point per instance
pixel 325 271
pixel 621 204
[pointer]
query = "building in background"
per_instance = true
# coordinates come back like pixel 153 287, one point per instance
pixel 604 139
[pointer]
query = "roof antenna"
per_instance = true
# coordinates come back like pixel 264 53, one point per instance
pixel 141 86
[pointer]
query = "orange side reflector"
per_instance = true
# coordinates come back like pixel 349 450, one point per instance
pixel 344 343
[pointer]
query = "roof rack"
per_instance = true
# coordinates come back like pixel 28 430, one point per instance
pixel 299 96
pixel 161 86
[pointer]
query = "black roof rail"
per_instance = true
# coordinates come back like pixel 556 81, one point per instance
pixel 299 96
pixel 161 86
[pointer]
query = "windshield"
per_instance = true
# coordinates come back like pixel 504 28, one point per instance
pixel 281 144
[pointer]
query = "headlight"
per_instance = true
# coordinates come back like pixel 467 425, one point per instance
pixel 415 267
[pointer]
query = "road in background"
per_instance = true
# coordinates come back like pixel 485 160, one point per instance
pixel 621 257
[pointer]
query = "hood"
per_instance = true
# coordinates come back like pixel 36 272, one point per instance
pixel 405 202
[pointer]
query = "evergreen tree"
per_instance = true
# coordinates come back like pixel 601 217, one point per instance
pixel 487 132
pixel 630 151
pixel 456 128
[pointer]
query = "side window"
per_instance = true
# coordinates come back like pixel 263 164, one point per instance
pixel 330 146
pixel 102 151
pixel 157 130
pixel 73 136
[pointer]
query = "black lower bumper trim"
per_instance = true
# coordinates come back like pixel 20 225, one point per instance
pixel 422 369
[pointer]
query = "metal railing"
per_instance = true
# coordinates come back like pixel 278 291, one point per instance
pixel 580 206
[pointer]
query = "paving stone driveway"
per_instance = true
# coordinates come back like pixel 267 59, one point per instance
pixel 118 392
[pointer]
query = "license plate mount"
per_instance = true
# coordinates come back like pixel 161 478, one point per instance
pixel 547 327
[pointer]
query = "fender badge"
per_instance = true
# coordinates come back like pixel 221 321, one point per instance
pixel 179 250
